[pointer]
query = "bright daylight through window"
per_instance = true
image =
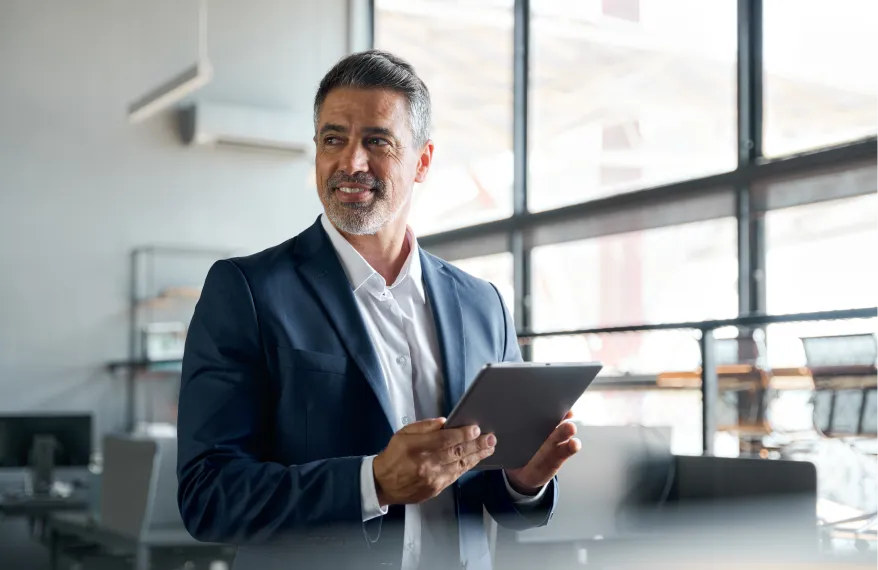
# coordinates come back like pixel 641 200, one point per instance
pixel 627 95
pixel 659 189
pixel 821 87
pixel 495 268
pixel 463 52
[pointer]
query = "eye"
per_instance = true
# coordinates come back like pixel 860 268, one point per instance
pixel 376 141
pixel 331 141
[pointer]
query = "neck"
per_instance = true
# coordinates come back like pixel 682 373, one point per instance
pixel 386 250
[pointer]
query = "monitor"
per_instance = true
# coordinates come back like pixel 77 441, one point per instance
pixel 72 435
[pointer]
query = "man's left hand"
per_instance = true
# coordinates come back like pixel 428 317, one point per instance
pixel 545 464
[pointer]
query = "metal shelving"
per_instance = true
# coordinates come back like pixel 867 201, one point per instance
pixel 164 286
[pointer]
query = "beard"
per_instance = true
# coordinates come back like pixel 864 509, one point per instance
pixel 358 218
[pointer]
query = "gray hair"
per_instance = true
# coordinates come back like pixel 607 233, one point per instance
pixel 375 69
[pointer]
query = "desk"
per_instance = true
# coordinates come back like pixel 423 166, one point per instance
pixel 33 506
pixel 158 548
pixel 38 508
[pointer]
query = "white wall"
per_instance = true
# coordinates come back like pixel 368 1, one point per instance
pixel 80 187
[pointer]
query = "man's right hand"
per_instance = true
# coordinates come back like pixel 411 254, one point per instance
pixel 422 459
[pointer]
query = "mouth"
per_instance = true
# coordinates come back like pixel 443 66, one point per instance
pixel 352 193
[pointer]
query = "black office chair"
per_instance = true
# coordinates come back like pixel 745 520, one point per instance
pixel 845 384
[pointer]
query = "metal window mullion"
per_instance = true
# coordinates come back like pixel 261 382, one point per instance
pixel 751 226
pixel 521 255
pixel 521 50
pixel 371 24
pixel 709 391
pixel 517 239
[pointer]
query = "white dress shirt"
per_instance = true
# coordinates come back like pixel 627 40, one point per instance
pixel 400 323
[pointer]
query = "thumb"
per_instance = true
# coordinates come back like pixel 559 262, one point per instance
pixel 423 426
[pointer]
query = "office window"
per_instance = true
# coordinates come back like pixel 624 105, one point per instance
pixel 639 355
pixel 819 63
pixel 819 257
pixel 463 52
pixel 676 273
pixel 498 269
pixel 635 358
pixel 628 94
pixel 679 410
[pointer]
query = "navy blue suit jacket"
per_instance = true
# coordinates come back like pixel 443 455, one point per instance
pixel 282 395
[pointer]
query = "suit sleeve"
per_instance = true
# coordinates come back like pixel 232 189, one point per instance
pixel 228 491
pixel 497 500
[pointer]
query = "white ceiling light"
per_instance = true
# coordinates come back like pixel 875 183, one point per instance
pixel 180 86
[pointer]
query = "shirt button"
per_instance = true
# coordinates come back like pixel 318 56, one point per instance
pixel 406 420
pixel 401 360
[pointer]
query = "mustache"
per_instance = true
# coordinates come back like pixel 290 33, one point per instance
pixel 363 178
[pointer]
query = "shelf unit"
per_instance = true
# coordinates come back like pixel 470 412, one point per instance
pixel 164 287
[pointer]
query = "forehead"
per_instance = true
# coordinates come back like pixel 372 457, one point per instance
pixel 365 107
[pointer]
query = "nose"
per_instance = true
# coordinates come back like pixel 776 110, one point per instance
pixel 354 159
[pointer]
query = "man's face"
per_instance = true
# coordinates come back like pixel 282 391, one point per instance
pixel 366 160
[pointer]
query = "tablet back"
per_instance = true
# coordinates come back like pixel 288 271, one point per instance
pixel 521 403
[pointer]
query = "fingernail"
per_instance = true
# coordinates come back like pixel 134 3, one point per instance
pixel 492 440
pixel 476 432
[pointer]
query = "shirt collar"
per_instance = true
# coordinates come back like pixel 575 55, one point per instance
pixel 362 275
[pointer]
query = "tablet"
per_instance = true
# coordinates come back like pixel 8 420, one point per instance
pixel 521 403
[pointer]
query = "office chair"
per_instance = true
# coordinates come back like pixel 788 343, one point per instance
pixel 845 383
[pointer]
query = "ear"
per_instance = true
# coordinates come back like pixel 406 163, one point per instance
pixel 424 162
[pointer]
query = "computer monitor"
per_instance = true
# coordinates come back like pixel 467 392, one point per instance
pixel 72 434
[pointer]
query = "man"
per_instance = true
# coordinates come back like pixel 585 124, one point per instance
pixel 317 373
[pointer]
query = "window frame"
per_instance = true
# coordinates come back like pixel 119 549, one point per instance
pixel 744 193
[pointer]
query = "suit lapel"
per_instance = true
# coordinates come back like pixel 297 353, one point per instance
pixel 325 276
pixel 445 304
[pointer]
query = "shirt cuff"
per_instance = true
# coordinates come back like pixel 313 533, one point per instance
pixel 520 499
pixel 369 495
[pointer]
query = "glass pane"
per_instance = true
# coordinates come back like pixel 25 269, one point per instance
pixel 784 341
pixel 632 356
pixel 635 358
pixel 627 94
pixel 463 52
pixel 819 65
pixel 498 269
pixel 672 274
pixel 822 256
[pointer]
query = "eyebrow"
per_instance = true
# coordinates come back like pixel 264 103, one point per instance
pixel 378 131
pixel 333 128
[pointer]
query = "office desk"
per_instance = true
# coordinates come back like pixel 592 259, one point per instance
pixel 36 509
pixel 158 548
pixel 21 505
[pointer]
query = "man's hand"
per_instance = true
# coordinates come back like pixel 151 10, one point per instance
pixel 422 459
pixel 545 464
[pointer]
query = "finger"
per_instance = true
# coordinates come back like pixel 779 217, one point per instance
pixel 555 457
pixel 446 438
pixel 451 472
pixel 559 435
pixel 563 452
pixel 459 451
pixel 423 426
pixel 470 461
pixel 568 416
